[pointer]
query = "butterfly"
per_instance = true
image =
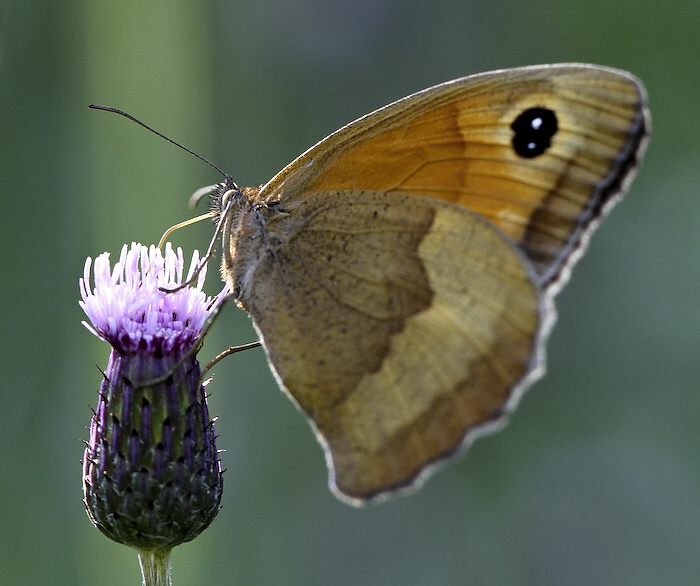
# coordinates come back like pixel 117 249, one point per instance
pixel 401 272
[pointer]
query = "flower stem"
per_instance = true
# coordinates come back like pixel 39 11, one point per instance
pixel 155 567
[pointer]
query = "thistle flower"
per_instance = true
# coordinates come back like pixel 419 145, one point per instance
pixel 151 472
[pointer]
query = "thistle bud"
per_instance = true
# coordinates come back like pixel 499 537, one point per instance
pixel 151 472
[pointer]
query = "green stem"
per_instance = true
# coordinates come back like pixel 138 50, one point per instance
pixel 155 567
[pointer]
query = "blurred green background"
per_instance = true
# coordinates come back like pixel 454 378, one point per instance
pixel 596 480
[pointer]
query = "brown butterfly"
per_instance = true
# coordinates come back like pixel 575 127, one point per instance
pixel 401 272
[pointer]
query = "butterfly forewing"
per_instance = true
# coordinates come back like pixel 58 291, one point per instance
pixel 455 142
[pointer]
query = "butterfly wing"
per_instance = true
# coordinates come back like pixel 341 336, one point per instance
pixel 398 325
pixel 400 272
pixel 455 142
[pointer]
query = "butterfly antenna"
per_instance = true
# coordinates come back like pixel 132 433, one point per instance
pixel 154 131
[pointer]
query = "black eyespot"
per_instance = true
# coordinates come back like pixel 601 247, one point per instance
pixel 533 130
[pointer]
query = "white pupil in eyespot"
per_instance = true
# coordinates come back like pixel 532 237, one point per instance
pixel 536 123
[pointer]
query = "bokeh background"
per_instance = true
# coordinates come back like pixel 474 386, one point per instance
pixel 596 480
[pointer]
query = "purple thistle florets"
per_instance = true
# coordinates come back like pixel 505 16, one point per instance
pixel 151 473
pixel 128 309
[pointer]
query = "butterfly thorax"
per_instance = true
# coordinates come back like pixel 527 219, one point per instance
pixel 253 229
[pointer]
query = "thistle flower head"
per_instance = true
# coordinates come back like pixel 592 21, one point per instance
pixel 128 309
pixel 151 472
